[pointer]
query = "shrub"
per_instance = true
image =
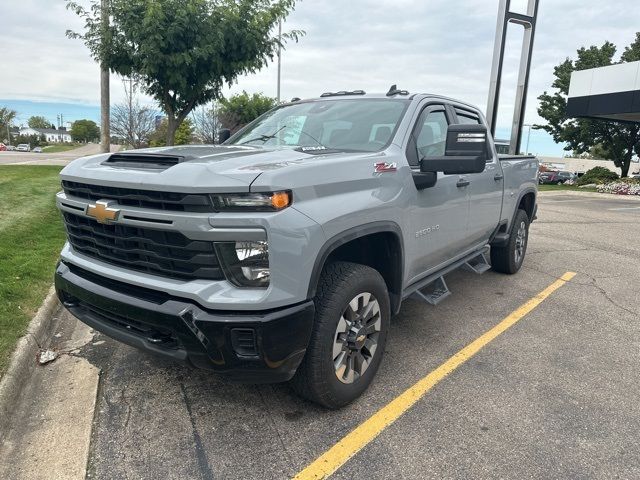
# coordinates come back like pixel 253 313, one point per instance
pixel 597 175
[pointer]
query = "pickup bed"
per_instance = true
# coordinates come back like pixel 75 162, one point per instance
pixel 283 253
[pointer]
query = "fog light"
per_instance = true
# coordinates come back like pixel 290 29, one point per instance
pixel 246 264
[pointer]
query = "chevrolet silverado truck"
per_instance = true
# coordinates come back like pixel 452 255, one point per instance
pixel 281 254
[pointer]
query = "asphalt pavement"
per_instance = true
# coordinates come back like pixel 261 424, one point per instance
pixel 555 396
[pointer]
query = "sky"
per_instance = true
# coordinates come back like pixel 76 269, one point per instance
pixel 428 46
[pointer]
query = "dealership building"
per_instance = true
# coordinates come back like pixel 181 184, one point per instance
pixel 611 93
pixel 605 93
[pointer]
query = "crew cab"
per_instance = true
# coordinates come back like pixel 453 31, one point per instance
pixel 282 254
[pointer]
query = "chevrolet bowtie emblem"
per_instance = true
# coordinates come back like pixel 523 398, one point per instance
pixel 102 211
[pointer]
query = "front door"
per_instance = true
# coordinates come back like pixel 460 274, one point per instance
pixel 438 215
pixel 485 190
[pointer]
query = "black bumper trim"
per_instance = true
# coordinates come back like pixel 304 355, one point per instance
pixel 184 331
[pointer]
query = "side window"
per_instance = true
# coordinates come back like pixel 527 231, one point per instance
pixel 466 117
pixel 431 136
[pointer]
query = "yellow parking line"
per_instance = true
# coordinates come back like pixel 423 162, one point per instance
pixel 352 443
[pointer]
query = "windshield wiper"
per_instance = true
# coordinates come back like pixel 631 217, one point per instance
pixel 264 138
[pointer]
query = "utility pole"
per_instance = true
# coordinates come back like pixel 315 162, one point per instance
pixel 279 56
pixel 105 127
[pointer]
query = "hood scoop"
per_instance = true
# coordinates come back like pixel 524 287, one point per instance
pixel 154 161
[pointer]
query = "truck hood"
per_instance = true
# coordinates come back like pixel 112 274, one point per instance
pixel 202 168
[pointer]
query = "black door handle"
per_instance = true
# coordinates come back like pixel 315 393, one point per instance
pixel 462 183
pixel 498 176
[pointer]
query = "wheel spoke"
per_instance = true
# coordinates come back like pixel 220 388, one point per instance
pixel 360 364
pixel 338 346
pixel 371 347
pixel 349 373
pixel 340 363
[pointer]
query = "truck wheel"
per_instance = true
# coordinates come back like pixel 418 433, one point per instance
pixel 508 259
pixel 348 337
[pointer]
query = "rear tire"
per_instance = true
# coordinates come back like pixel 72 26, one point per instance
pixel 348 338
pixel 508 259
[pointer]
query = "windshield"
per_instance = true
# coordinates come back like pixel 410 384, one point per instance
pixel 346 125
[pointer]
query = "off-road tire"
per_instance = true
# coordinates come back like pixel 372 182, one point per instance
pixel 503 259
pixel 316 378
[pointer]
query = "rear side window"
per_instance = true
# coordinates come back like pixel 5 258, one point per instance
pixel 467 117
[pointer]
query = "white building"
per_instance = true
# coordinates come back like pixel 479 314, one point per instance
pixel 51 134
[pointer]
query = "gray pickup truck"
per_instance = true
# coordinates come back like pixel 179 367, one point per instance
pixel 283 253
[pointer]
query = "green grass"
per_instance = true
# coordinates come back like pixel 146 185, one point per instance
pixel 555 188
pixel 59 148
pixel 31 236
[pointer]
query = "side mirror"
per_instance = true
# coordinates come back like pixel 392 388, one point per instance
pixel 465 151
pixel 223 135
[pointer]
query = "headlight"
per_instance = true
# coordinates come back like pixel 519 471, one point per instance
pixel 246 264
pixel 255 202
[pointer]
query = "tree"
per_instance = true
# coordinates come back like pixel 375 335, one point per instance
pixel 184 51
pixel 7 116
pixel 131 121
pixel 183 135
pixel 241 109
pixel 206 123
pixel 84 131
pixel 614 140
pixel 38 122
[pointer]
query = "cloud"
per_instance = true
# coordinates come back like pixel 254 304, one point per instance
pixel 437 46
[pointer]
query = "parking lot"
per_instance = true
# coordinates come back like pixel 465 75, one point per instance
pixel 60 158
pixel 554 396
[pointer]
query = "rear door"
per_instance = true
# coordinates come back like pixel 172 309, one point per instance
pixel 438 215
pixel 485 189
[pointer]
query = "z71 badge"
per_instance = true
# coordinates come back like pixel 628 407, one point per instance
pixel 384 167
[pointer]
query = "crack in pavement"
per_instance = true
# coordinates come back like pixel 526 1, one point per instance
pixel 593 283
pixel 201 454
pixel 274 427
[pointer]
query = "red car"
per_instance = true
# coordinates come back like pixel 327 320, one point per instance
pixel 557 178
pixel 3 147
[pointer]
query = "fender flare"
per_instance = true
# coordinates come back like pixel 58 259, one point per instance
pixel 524 192
pixel 352 234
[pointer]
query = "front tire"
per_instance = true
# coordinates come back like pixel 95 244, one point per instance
pixel 508 259
pixel 348 337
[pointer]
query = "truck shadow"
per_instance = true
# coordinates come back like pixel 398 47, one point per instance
pixel 150 405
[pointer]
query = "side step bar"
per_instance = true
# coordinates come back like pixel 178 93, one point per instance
pixel 433 289
pixel 478 264
pixel 433 293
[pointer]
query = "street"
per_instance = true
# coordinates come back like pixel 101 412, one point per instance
pixel 62 158
pixel 555 396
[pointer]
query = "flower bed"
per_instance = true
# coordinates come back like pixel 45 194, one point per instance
pixel 620 188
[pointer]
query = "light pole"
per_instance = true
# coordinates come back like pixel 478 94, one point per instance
pixel 279 56
pixel 105 135
pixel 528 136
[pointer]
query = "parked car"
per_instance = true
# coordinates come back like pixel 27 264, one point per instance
pixel 37 150
pixel 282 254
pixel 556 178
pixel 23 147
pixel 3 147
pixel 10 148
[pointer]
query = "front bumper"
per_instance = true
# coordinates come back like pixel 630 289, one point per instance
pixel 251 347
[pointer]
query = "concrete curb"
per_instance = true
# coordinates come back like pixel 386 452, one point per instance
pixel 23 359
pixel 576 193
